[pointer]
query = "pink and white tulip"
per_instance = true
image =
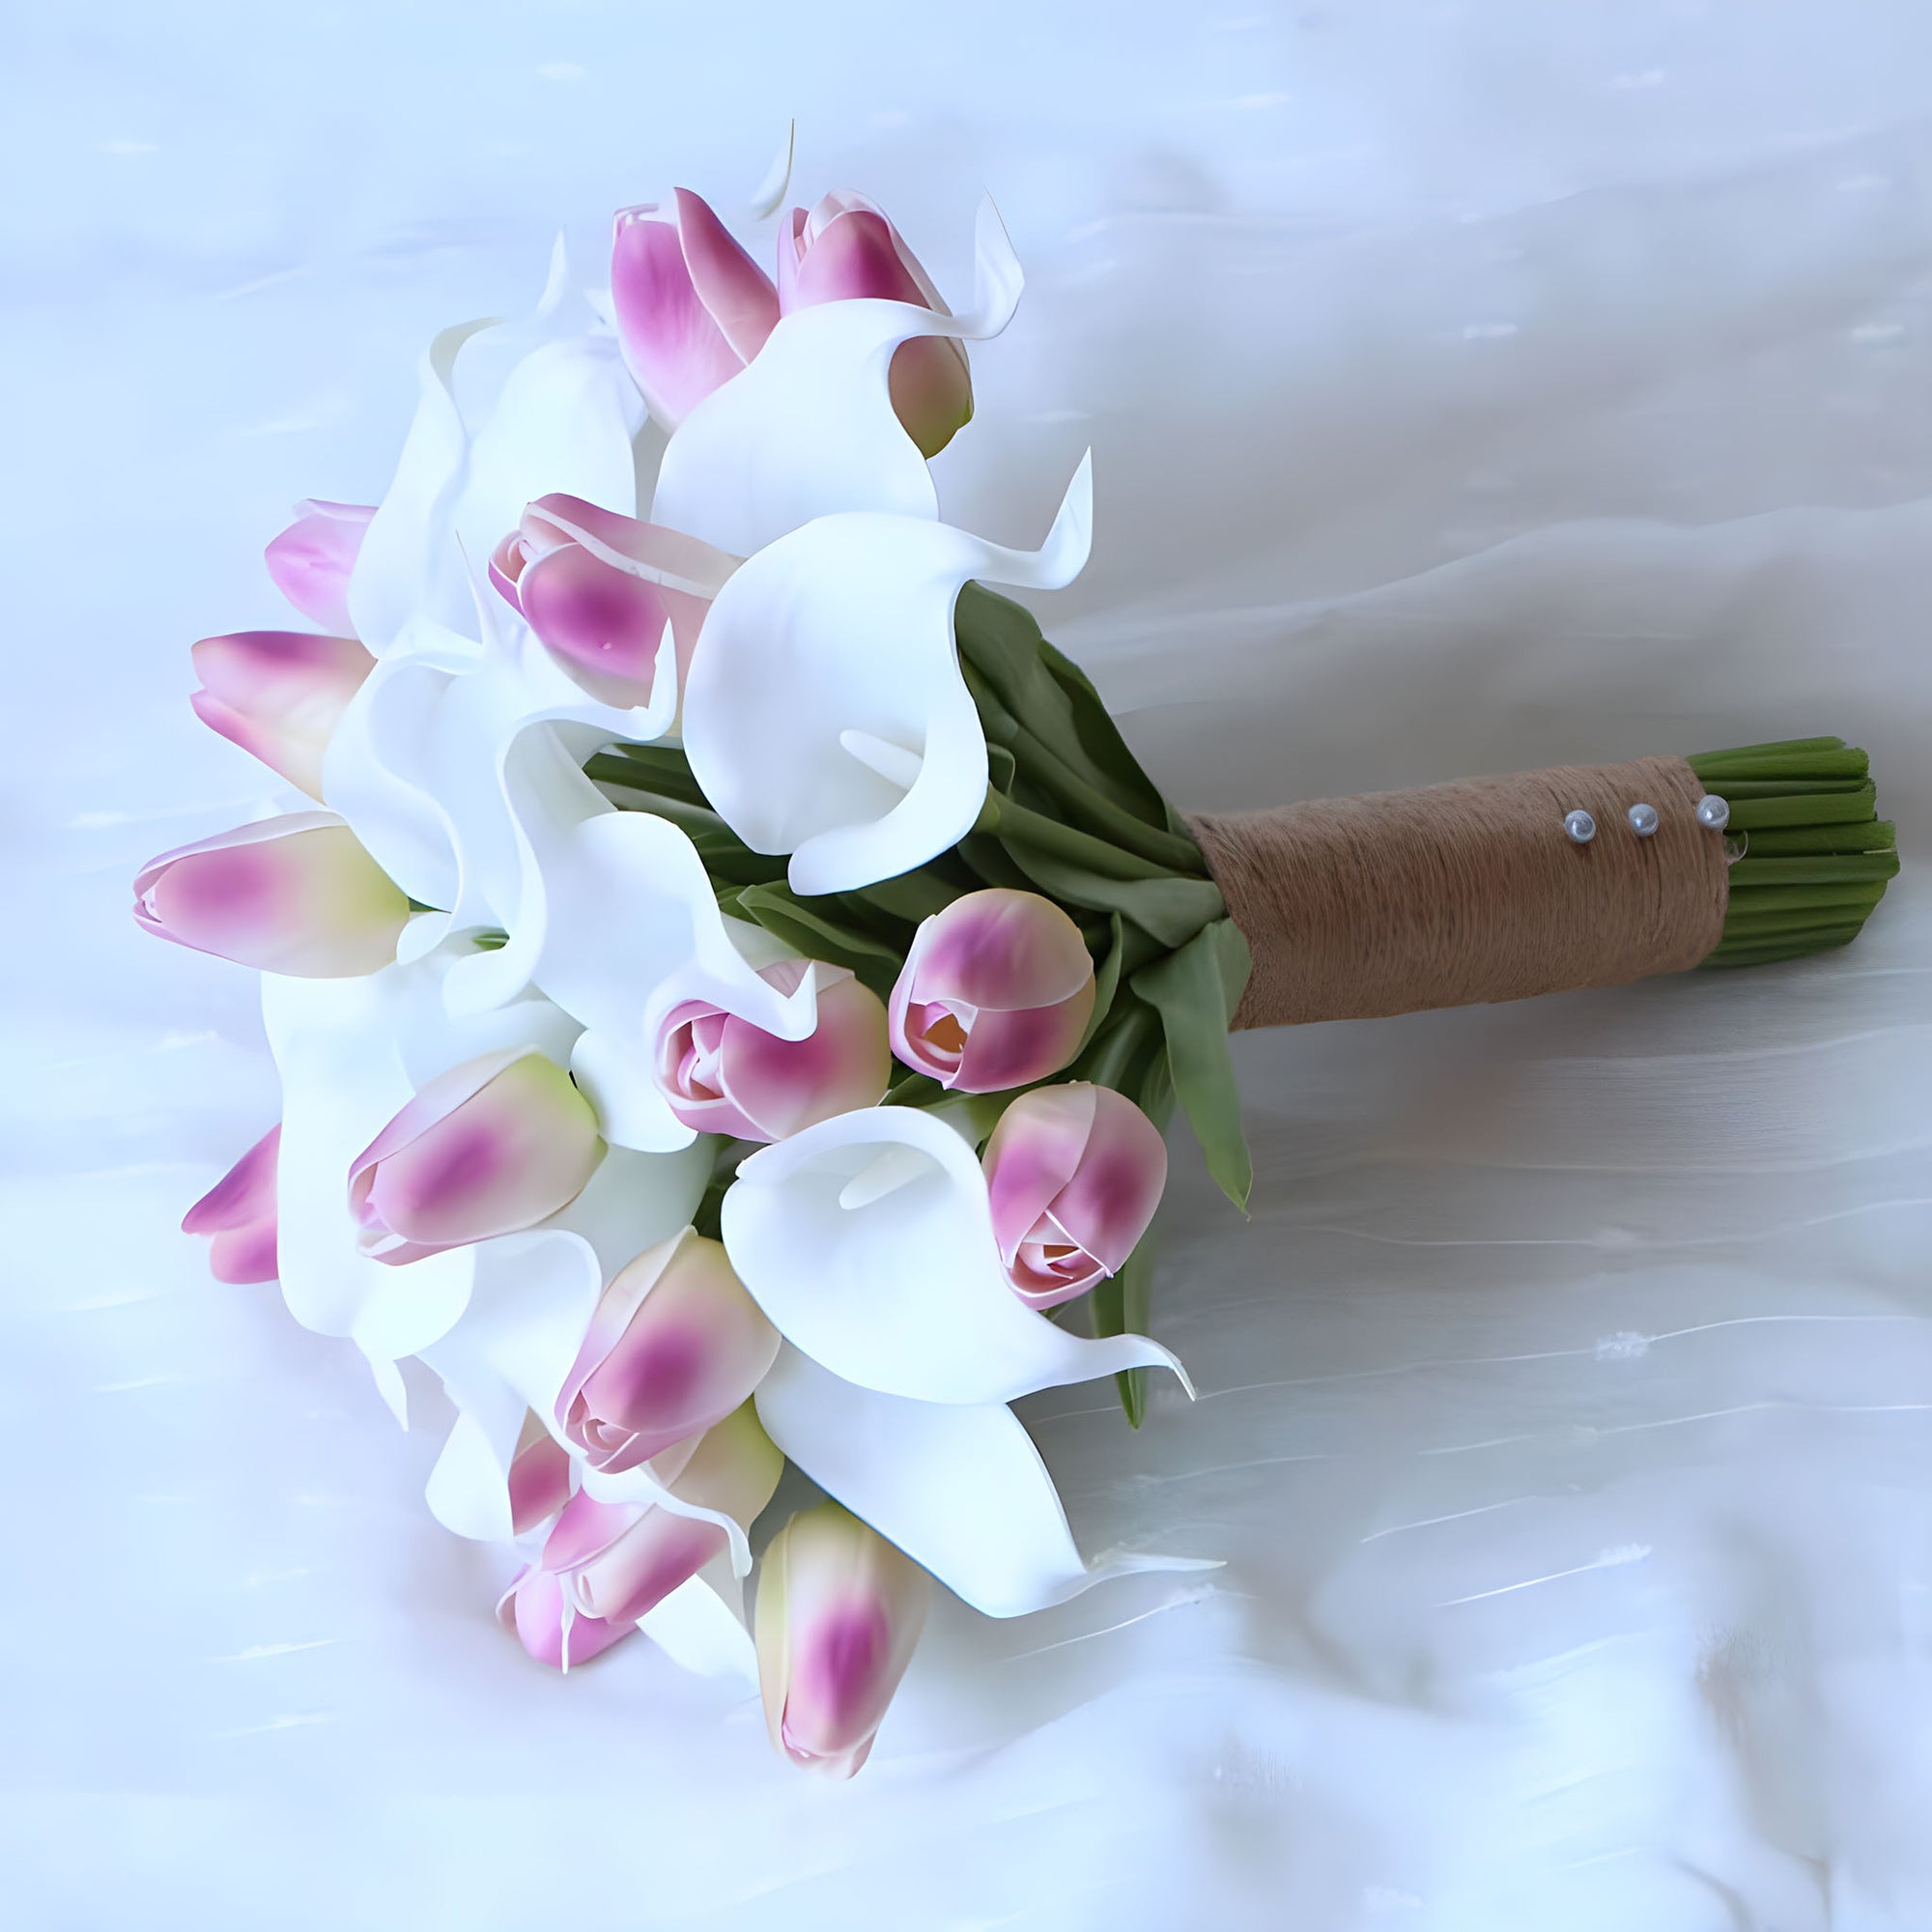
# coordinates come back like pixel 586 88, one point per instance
pixel 549 1626
pixel 1074 1175
pixel 494 1145
pixel 996 992
pixel 312 559
pixel 238 1211
pixel 674 1345
pixel 846 250
pixel 692 308
pixel 840 1611
pixel 297 895
pixel 723 1075
pixel 617 1561
pixel 563 570
pixel 279 695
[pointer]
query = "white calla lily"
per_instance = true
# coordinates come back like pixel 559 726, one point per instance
pixel 807 428
pixel 958 1487
pixel 867 1241
pixel 825 713
pixel 509 411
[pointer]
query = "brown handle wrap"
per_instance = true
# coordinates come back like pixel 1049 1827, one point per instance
pixel 1395 901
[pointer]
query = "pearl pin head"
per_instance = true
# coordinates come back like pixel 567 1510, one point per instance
pixel 1713 814
pixel 1580 826
pixel 1642 819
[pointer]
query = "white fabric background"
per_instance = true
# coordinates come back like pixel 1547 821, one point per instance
pixel 1470 386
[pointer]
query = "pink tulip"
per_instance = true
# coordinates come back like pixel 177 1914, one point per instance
pixel 296 894
pixel 616 1561
pixel 996 992
pixel 692 308
pixel 846 250
pixel 279 695
pixel 1074 1174
pixel 240 1211
pixel 840 1611
pixel 564 569
pixel 498 1144
pixel 547 1624
pixel 723 1075
pixel 311 560
pixel 674 1345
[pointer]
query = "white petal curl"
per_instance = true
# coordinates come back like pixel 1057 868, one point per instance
pixel 959 1488
pixel 825 715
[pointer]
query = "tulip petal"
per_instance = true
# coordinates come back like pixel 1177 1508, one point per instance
pixel 900 1290
pixel 311 560
pixel 838 635
pixel 278 695
pixel 245 1193
pixel 959 1488
pixel 662 270
pixel 535 1608
pixel 1038 1150
pixel 239 1214
pixel 733 288
pixel 808 429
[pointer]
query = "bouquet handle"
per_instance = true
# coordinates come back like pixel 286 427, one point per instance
pixel 1493 889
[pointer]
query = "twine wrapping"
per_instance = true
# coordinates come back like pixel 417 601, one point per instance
pixel 1356 908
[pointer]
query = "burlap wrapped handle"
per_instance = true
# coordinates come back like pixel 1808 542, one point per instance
pixel 1356 908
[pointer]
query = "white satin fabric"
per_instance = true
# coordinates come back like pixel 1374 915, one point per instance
pixel 1469 386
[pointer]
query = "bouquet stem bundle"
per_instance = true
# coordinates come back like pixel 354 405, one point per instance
pixel 1813 853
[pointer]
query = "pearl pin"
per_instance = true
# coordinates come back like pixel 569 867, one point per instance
pixel 1713 812
pixel 1580 826
pixel 1642 819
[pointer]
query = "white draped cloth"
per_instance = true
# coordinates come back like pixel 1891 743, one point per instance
pixel 1471 388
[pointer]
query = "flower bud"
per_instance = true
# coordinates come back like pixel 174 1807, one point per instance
pixel 723 1075
pixel 549 1627
pixel 617 1561
pixel 603 625
pixel 996 992
pixel 297 895
pixel 240 1212
pixel 692 308
pixel 840 1611
pixel 498 1144
pixel 312 559
pixel 674 1345
pixel 279 695
pixel 845 249
pixel 1074 1175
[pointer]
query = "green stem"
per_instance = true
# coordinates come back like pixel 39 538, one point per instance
pixel 1815 855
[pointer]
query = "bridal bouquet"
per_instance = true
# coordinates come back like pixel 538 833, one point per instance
pixel 731 992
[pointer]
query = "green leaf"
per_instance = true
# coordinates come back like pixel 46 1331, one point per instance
pixel 1196 989
pixel 817 930
pixel 1106 978
pixel 1119 1306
